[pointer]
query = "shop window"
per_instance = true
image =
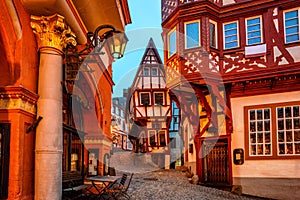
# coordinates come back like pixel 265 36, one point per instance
pixel 145 99
pixel 212 34
pixel 172 42
pixel 192 34
pixel 231 39
pixel 285 123
pixel 159 98
pixel 254 30
pixel 291 26
pixel 73 151
pixel 4 159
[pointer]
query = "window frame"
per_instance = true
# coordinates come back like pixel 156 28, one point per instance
pixel 216 34
pixel 185 33
pixel 140 98
pixel 237 34
pixel 261 29
pixel 155 69
pixel 150 133
pixel 168 42
pixel 154 96
pixel 144 70
pixel 273 131
pixel 159 133
pixel 284 26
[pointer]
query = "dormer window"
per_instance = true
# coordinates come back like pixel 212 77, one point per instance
pixel 154 71
pixel 146 71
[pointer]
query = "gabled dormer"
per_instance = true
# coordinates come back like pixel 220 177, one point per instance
pixel 150 74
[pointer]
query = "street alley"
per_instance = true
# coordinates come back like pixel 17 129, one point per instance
pixel 173 184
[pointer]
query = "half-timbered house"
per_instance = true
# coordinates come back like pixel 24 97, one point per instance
pixel 150 109
pixel 233 65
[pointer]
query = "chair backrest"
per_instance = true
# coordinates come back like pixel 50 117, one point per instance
pixel 129 182
pixel 123 179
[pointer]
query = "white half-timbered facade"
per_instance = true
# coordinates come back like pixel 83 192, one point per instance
pixel 150 108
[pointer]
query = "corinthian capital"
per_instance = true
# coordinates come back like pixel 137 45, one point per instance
pixel 52 31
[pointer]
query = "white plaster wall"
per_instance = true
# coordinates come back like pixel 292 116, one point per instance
pixel 260 168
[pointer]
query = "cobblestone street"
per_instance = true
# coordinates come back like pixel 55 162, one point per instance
pixel 173 184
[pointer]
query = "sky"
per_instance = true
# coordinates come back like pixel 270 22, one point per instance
pixel 146 23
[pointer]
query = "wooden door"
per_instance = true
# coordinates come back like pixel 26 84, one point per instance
pixel 216 162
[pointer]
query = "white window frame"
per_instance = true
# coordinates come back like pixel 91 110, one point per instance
pixel 238 37
pixel 155 98
pixel 261 27
pixel 263 132
pixel 185 31
pixel 140 95
pixel 294 9
pixel 292 130
pixel 216 33
pixel 168 42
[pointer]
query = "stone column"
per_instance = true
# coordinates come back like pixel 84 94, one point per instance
pixel 52 35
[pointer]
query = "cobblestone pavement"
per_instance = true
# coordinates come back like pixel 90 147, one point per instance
pixel 173 184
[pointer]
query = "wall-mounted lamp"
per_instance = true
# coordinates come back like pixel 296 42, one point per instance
pixel 104 34
pixel 116 40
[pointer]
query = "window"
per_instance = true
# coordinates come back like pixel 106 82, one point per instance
pixel 192 34
pixel 4 159
pixel 174 125
pixel 172 42
pixel 154 71
pixel 145 99
pixel 152 138
pixel 288 130
pixel 159 98
pixel 162 138
pixel 231 39
pixel 260 135
pixel 273 131
pixel 291 26
pixel 146 71
pixel 212 34
pixel 254 32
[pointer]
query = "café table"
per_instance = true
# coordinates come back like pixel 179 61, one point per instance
pixel 101 183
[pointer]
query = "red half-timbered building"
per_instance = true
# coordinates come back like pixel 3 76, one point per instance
pixel 233 65
pixel 150 108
